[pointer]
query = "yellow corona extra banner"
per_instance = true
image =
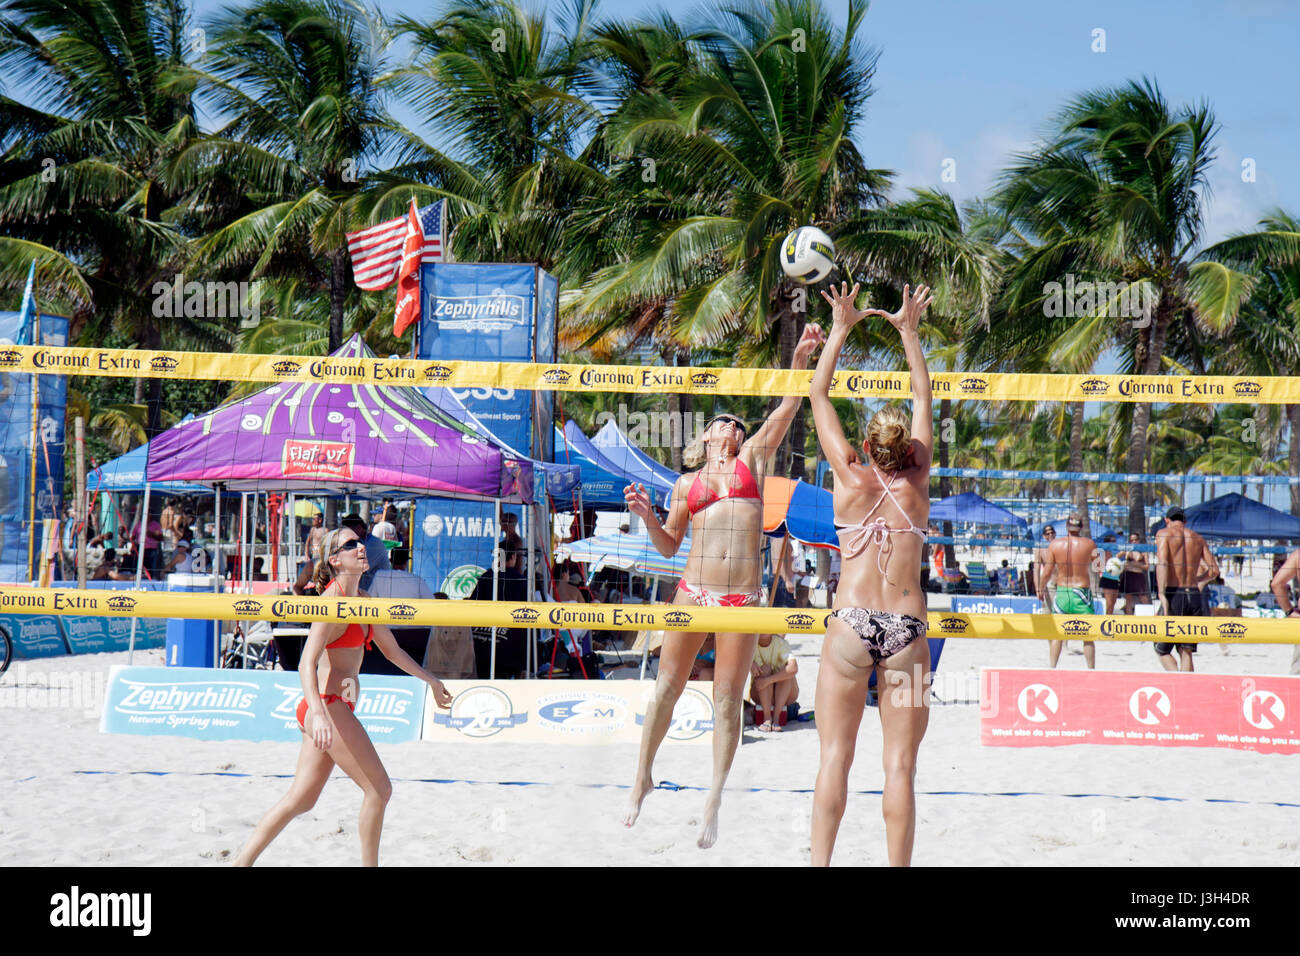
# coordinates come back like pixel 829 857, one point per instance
pixel 991 386
pixel 627 617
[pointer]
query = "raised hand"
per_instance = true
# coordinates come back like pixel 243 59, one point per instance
pixel 638 502
pixel 812 337
pixel 843 312
pixel 908 317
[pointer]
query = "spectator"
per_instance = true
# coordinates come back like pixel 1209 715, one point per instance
pixel 1006 576
pixel 512 546
pixel 259 572
pixel 1112 567
pixel 376 553
pixel 182 559
pixel 1136 581
pixel 705 658
pixel 451 650
pixel 773 686
pixel 315 535
pixel 108 569
pixel 385 529
pixel 306 583
pixel 398 583
pixel 152 542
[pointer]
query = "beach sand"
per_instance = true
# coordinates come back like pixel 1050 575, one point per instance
pixel 77 797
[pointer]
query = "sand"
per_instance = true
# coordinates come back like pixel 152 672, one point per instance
pixel 77 797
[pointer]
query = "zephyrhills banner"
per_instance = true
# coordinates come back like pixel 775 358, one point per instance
pixel 1047 708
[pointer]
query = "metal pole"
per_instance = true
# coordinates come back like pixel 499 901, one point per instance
pixel 528 590
pixel 244 576
pixel 645 650
pixel 492 660
pixel 139 570
pixel 216 580
pixel 293 539
pixel 31 526
pixel 82 518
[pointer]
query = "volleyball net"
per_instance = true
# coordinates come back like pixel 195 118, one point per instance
pixel 533 532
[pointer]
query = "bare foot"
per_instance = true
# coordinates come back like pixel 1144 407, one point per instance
pixel 709 831
pixel 634 802
pixel 777 728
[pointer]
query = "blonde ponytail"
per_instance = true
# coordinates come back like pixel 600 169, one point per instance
pixel 889 439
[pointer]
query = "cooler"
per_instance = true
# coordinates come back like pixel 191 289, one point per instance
pixel 189 642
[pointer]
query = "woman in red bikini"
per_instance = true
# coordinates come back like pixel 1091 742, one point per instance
pixel 722 505
pixel 332 735
pixel 879 618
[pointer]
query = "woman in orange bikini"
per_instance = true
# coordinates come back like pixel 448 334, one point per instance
pixel 722 504
pixel 879 618
pixel 332 735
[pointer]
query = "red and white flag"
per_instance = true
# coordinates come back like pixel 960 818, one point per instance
pixel 377 251
pixel 408 274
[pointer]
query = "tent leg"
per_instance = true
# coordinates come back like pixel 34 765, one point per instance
pixel 139 569
pixel 492 661
pixel 216 577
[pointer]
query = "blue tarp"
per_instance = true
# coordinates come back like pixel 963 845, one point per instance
pixel 600 486
pixel 630 460
pixel 610 450
pixel 972 509
pixel 1233 516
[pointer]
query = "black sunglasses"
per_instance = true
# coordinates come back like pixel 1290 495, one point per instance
pixel 728 418
pixel 350 545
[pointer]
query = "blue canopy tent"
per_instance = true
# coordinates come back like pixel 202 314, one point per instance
pixel 601 488
pixel 970 508
pixel 614 446
pixel 610 450
pixel 1234 516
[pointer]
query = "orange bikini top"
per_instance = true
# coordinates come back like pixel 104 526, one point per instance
pixel 701 495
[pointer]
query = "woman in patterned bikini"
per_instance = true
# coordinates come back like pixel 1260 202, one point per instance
pixel 722 504
pixel 879 619
pixel 332 735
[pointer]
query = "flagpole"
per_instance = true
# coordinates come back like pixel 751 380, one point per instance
pixel 31 525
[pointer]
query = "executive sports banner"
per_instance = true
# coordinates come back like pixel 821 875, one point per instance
pixel 630 617
pixel 1047 708
pixel 563 712
pixel 990 386
pixel 213 704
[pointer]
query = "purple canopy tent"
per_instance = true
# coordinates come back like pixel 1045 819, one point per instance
pixel 335 439
pixel 320 438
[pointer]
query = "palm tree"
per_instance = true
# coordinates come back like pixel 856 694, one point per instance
pixel 1266 339
pixel 1117 195
pixel 308 124
pixel 110 94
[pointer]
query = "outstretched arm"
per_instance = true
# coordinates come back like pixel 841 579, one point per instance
pixel 844 315
pixel 1290 569
pixel 772 431
pixel 908 320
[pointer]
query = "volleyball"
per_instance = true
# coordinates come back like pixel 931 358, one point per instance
pixel 807 255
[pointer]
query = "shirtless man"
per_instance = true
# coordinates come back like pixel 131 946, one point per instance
pixel 1289 572
pixel 1183 565
pixel 315 536
pixel 1040 559
pixel 1073 557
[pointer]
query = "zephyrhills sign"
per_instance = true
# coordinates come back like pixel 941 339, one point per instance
pixel 1045 708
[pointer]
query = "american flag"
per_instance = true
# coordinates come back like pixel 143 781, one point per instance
pixel 377 251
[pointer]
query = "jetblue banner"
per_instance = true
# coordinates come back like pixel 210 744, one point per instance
pixel 16 449
pixel 489 312
pixel 995 604
pixel 213 704
pixel 34 635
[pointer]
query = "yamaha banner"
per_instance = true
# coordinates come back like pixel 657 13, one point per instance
pixel 484 312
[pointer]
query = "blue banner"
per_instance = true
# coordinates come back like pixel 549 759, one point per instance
pixel 490 312
pixel 97 635
pixel 16 451
pixel 34 635
pixel 214 704
pixel 996 604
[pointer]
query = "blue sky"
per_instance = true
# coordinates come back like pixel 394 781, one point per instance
pixel 974 82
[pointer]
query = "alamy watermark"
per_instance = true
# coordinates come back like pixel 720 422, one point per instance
pixel 208 300
pixel 27 688
pixel 1119 300
pixel 656 429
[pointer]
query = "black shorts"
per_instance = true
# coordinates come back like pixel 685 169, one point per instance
pixel 1135 582
pixel 1109 584
pixel 1183 602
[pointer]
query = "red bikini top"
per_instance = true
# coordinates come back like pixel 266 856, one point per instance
pixel 701 495
pixel 354 636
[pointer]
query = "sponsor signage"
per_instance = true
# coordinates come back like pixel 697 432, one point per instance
pixel 215 704
pixel 97 635
pixel 34 635
pixel 994 604
pixel 317 459
pixel 1046 708
pixel 562 711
